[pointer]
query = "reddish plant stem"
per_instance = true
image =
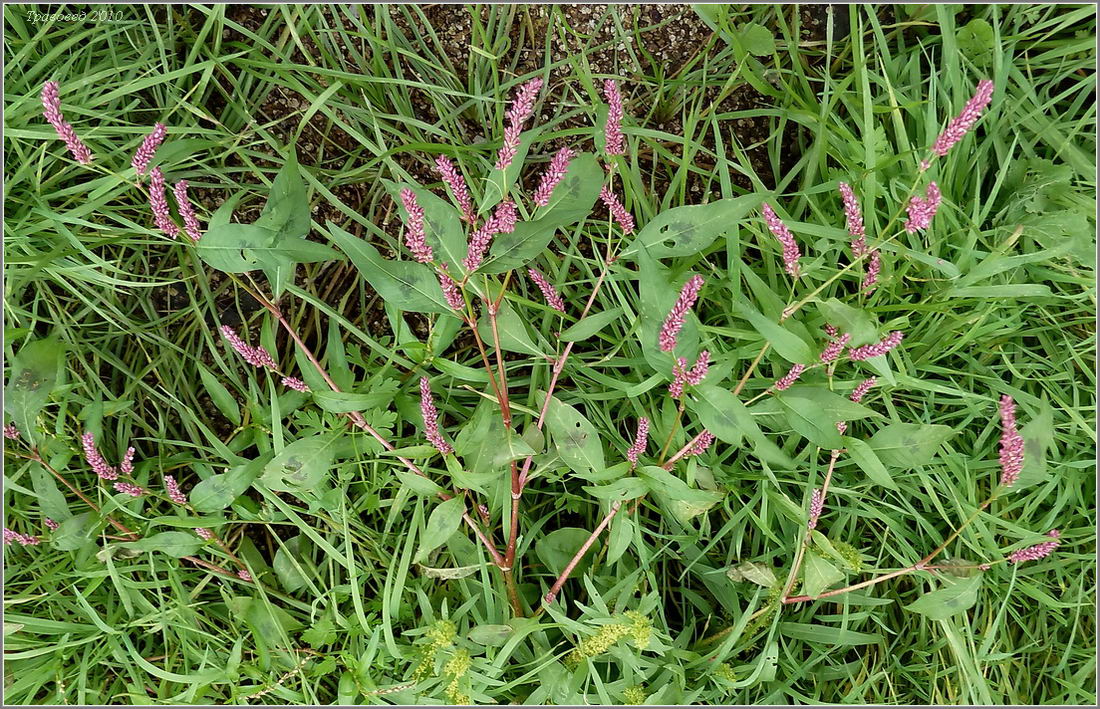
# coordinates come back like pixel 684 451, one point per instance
pixel 808 532
pixel 553 592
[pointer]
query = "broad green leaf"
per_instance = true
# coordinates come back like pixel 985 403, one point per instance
pixel 302 465
pixel 287 211
pixel 577 440
pixel 237 248
pixel 443 227
pixel 762 446
pixel 220 395
pixel 458 572
pixel 219 491
pixel 556 549
pixel 760 574
pixel 851 321
pixel 288 565
pixel 756 39
pixel 907 445
pixel 814 411
pixel 35 372
pixel 590 325
pixel 620 536
pixel 865 457
pixel 408 285
pixel 960 595
pixel 74 532
pixel 490 635
pixel 715 408
pixel 786 344
pixel 683 501
pixel 339 402
pixel 417 483
pixel 511 328
pixel 622 489
pixel 51 501
pixel 818 574
pixel 175 544
pixel 658 294
pixel 683 231
pixel 827 634
pixel 444 521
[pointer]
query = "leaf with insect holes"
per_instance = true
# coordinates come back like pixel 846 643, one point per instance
pixel 219 491
pixel 576 439
pixel 443 227
pixel 907 445
pixel 444 521
pixel 955 597
pixel 36 370
pixel 410 286
pixel 683 231
pixel 302 465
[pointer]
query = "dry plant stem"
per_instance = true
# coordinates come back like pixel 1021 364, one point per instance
pixel 808 532
pixel 919 566
pixel 553 592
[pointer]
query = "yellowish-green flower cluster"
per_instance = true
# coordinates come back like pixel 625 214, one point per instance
pixel 851 556
pixel 640 628
pixel 724 672
pixel 440 635
pixel 634 695
pixel 456 668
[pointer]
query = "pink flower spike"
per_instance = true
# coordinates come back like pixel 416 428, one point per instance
pixel 618 211
pixel 204 533
pixel 29 540
pixel 679 378
pixel 862 389
pixel 503 221
pixel 699 371
pixel 790 378
pixel 674 322
pixel 246 351
pixel 95 460
pixel 148 147
pixel 559 165
pixel 841 427
pixel 51 525
pixel 414 227
pixel 702 442
pixel 961 124
pixel 457 184
pixel 921 211
pixel 831 330
pixel 173 489
pixel 640 440
pixel 613 131
pixel 131 490
pixel 522 106
pixel 880 348
pixel 451 292
pixel 11 432
pixel 854 218
pixel 548 292
pixel 1012 444
pixel 10 536
pixel 791 254
pixel 159 204
pixel 264 358
pixel 1038 551
pixel 817 504
pixel 295 383
pixel 127 465
pixel 187 212
pixel 431 416
pixel 51 109
pixel 834 348
pixel 873 266
pixel 243 575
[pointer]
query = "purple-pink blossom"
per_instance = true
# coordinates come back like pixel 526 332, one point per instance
pixel 256 356
pixel 834 348
pixel 552 298
pixel 26 540
pixel 874 264
pixel 879 348
pixel 624 219
pixel 641 437
pixel 791 254
pixel 863 387
pixel 415 238
pixel 51 109
pixel 1038 551
pixel 1012 444
pixel 854 217
pixel 295 383
pixel 921 211
pixel 613 131
pixel 148 147
pixel 96 460
pixel 243 575
pixel 958 126
pixel 454 180
pixel 51 525
pixel 679 378
pixel 790 377
pixel 187 212
pixel 522 106
pixel 503 221
pixel 158 203
pixel 173 489
pixel 126 467
pixel 204 533
pixel 702 442
pixel 817 504
pixel 674 322
pixel 831 330
pixel 431 416
pixel 559 165
pixel 699 371
pixel 11 432
pixel 451 292
pixel 129 489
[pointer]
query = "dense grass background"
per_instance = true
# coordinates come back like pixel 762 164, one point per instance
pixel 376 92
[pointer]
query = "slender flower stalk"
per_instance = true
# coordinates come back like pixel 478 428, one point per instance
pixel 552 298
pixel 503 221
pixel 834 348
pixel 921 211
pixel 817 504
pixel 148 147
pixel 1012 444
pixel 431 416
pixel 173 489
pixel 861 390
pixel 11 432
pixel 559 165
pixel 871 278
pixel 879 348
pixel 187 212
pixel 613 131
pixel 159 204
pixel 126 467
pixel 451 292
pixel 854 217
pixel 624 219
pixel 96 460
pixel 702 442
pixel 51 109
pixel 1038 551
pixel 699 371
pixel 295 383
pixel 457 184
pixel 522 106
pixel 674 322
pixel 958 126
pixel 415 238
pixel 791 254
pixel 640 440
pixel 790 378
pixel 129 489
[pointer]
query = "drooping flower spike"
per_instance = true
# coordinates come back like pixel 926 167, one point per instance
pixel 834 348
pixel 674 322
pixel 854 217
pixel 791 254
pixel 148 147
pixel 457 184
pixel 679 378
pixel 158 203
pixel 11 432
pixel 861 390
pixel 1012 444
pixel 640 440
pixel 622 217
pixel 94 459
pixel 699 371
pixel 548 291
pixel 126 467
pixel 958 126
pixel 879 348
pixel 173 489
pixel 431 416
pixel 704 440
pixel 187 212
pixel 295 383
pixel 1038 551
pixel 522 106
pixel 51 109
pixel 503 221
pixel 256 356
pixel 415 238
pixel 613 131
pixel 557 169
pixel 451 292
pixel 129 489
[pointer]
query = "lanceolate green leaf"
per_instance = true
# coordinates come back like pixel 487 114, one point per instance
pixel 442 523
pixel 732 407
pixel 36 370
pixel 684 231
pixel 218 491
pixel 786 344
pixel 171 543
pixel 576 439
pixel 958 596
pixel 907 445
pixel 865 457
pixel 302 465
pixel 511 328
pixel 589 326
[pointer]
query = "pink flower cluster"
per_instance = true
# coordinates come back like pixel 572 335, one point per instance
pixel 129 489
pixel 522 106
pixel 1038 551
pixel 834 348
pixel 187 212
pixel 552 298
pixel 879 348
pixel 148 147
pixel 206 534
pixel 126 466
pixel 96 460
pixel 26 540
pixel 503 221
pixel 431 416
pixel 455 181
pixel 682 376
pixel 173 489
pixel 51 109
pixel 295 383
pixel 674 322
pixel 790 378
pixel 256 356
pixel 559 165
pixel 159 204
pixel 622 217
pixel 874 264
pixel 51 525
pixel 702 442
pixel 613 131
pixel 11 432
pixel 640 440
pixel 961 124
pixel 854 218
pixel 414 227
pixel 1012 444
pixel 921 211
pixel 791 254
pixel 855 396
pixel 451 292
pixel 817 504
